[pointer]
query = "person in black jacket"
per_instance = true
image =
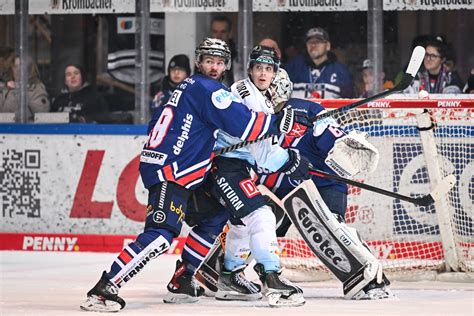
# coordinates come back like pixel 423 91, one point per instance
pixel 79 98
pixel 178 70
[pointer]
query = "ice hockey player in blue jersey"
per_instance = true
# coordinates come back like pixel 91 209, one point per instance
pixel 232 186
pixel 175 160
pixel 334 151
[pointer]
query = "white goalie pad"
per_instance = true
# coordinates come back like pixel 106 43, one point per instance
pixel 338 246
pixel 353 154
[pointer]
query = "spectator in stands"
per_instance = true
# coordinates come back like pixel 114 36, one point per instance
pixel 270 42
pixel 317 74
pixel 368 79
pixel 79 98
pixel 178 70
pixel 37 96
pixel 7 57
pixel 435 78
pixel 221 28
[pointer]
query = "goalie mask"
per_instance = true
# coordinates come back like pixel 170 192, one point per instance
pixel 264 55
pixel 213 47
pixel 281 88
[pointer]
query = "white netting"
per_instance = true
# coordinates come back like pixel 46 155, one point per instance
pixel 406 237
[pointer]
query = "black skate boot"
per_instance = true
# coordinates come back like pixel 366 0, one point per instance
pixel 233 286
pixel 183 287
pixel 280 291
pixel 103 297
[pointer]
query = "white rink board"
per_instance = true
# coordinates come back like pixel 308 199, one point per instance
pixel 34 283
pixel 89 184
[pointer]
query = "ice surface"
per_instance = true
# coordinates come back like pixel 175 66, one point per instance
pixel 52 283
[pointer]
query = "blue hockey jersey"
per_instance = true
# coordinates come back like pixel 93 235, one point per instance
pixel 183 134
pixel 330 80
pixel 314 145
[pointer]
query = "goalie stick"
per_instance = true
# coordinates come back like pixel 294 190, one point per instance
pixel 412 69
pixel 442 188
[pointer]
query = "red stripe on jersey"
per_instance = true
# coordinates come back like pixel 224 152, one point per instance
pixel 257 126
pixel 271 180
pixel 192 176
pixel 196 246
pixel 125 257
pixel 168 172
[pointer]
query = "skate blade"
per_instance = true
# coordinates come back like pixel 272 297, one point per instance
pixel 236 296
pixel 276 300
pixel 375 294
pixel 94 304
pixel 174 298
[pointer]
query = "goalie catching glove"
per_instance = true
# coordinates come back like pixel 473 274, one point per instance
pixel 293 123
pixel 353 154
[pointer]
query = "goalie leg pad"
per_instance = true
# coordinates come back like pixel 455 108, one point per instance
pixel 335 244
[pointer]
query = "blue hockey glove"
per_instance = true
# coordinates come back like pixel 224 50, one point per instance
pixel 297 166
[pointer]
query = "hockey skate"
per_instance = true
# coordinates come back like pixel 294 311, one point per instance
pixel 279 291
pixel 233 286
pixel 103 297
pixel 375 291
pixel 183 287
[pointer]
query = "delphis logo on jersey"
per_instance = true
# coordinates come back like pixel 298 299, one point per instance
pixel 410 176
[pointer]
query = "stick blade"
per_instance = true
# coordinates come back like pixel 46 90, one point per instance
pixel 443 187
pixel 415 61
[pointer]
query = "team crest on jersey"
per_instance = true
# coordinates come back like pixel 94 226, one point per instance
pixel 222 99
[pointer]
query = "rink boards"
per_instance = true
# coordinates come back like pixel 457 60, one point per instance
pixel 77 188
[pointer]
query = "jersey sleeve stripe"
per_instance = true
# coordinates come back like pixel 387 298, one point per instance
pixel 268 120
pixel 258 126
pixel 249 126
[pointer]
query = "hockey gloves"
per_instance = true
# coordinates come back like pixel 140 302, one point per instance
pixel 297 166
pixel 293 123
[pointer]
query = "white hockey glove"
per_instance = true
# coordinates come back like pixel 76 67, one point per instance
pixel 353 154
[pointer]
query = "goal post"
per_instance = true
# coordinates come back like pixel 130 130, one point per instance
pixel 420 142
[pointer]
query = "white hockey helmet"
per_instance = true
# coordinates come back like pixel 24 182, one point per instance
pixel 213 47
pixel 281 87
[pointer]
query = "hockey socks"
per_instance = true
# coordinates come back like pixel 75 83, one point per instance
pixel 134 257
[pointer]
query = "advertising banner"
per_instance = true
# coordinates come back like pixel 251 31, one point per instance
pixel 63 190
pixel 309 5
pixel 414 5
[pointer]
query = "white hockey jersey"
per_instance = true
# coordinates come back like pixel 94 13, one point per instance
pixel 267 153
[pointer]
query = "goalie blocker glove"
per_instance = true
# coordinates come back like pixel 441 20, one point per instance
pixel 293 123
pixel 297 166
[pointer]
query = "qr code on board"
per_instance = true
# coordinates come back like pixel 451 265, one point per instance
pixel 20 183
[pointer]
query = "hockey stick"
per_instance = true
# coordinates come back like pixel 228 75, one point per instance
pixel 412 69
pixel 442 188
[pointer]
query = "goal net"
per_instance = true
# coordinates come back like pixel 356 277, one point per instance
pixel 420 142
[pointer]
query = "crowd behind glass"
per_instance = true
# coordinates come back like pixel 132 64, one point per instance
pixel 314 69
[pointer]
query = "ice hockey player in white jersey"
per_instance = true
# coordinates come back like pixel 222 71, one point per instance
pixel 254 225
